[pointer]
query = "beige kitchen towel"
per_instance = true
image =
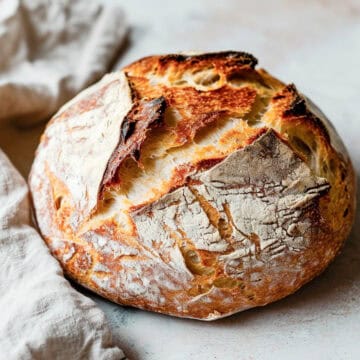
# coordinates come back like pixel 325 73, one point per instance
pixel 49 49
pixel 41 315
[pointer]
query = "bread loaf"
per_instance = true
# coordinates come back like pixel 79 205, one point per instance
pixel 192 185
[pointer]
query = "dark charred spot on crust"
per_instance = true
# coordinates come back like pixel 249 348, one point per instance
pixel 298 109
pixel 127 130
pixel 144 115
pixel 278 97
pixel 240 58
pixel 176 64
pixel 297 106
pixel 136 154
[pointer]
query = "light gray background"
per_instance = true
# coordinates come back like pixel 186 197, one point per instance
pixel 316 45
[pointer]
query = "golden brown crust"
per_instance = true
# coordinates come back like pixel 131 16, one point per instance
pixel 219 188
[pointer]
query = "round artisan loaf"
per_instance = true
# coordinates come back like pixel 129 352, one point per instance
pixel 192 185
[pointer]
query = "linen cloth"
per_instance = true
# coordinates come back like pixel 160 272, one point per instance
pixel 49 50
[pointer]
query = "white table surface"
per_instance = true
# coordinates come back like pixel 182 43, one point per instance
pixel 316 45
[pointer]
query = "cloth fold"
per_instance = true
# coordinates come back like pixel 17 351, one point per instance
pixel 42 316
pixel 50 50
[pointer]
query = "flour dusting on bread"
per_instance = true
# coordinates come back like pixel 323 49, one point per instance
pixel 192 185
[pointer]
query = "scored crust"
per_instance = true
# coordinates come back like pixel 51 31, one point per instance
pixel 192 185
